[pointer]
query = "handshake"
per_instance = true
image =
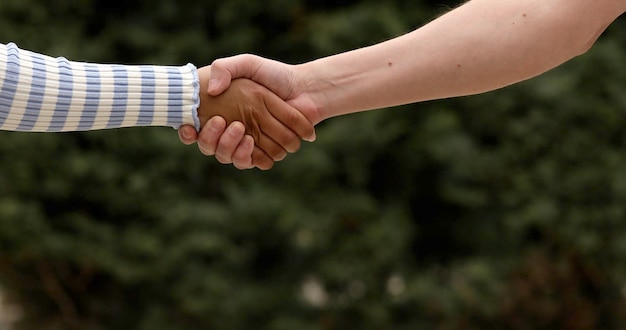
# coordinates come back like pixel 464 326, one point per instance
pixel 253 112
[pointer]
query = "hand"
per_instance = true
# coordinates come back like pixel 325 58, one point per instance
pixel 284 80
pixel 230 144
pixel 290 82
pixel 275 126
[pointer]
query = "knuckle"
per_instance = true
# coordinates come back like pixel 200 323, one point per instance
pixel 218 62
pixel 247 57
pixel 254 92
pixel 206 141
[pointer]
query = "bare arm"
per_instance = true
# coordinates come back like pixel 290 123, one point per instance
pixel 480 46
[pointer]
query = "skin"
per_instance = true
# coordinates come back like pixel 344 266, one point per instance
pixel 272 127
pixel 500 43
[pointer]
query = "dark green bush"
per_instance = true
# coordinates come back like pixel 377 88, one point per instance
pixel 504 210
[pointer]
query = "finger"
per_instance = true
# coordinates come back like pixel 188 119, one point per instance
pixel 290 117
pixel 229 141
pixel 220 80
pixel 280 134
pixel 271 148
pixel 242 157
pixel 261 160
pixel 210 135
pixel 226 69
pixel 187 134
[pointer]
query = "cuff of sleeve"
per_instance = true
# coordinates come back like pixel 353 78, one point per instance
pixel 196 97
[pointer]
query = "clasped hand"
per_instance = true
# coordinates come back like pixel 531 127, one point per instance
pixel 248 123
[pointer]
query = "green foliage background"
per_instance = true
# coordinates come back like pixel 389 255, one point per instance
pixel 505 210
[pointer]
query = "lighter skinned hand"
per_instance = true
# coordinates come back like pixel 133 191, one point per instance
pixel 272 127
pixel 227 144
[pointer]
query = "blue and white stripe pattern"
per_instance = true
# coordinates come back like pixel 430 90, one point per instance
pixel 39 93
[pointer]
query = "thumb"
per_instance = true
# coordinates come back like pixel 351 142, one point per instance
pixel 187 134
pixel 220 80
pixel 226 69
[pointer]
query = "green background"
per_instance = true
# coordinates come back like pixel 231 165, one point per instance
pixel 505 210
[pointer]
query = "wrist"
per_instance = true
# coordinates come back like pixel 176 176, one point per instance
pixel 314 90
pixel 203 112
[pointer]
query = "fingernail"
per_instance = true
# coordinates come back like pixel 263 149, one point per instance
pixel 185 134
pixel 237 128
pixel 312 138
pixel 215 125
pixel 212 85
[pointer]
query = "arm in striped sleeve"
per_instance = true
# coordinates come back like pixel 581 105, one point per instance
pixel 43 94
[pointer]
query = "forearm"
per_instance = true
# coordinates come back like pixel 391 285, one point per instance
pixel 480 46
pixel 45 94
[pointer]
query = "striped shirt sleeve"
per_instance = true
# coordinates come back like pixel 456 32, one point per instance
pixel 40 93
